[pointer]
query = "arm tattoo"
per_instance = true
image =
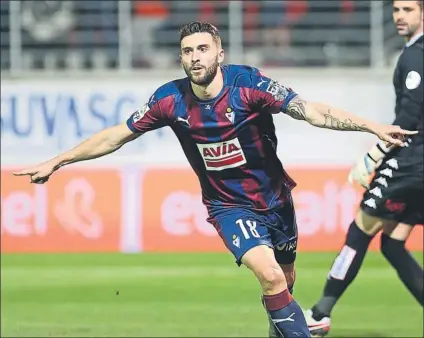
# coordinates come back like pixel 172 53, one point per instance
pixel 332 122
pixel 296 109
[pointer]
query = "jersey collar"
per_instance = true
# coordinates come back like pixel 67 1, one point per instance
pixel 413 40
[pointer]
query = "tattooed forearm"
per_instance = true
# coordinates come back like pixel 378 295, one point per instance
pixel 333 122
pixel 323 116
pixel 297 109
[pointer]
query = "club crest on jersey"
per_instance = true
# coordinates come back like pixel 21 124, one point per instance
pixel 222 155
pixel 230 115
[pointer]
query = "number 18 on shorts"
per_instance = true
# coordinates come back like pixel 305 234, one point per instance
pixel 243 229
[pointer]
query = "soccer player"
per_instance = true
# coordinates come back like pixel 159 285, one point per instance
pixel 222 117
pixel 394 200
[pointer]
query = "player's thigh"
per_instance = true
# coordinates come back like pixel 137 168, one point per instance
pixel 369 224
pixel 399 231
pixel 241 230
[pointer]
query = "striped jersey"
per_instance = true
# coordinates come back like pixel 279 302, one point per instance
pixel 230 140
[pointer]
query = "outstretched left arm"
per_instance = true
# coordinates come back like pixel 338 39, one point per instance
pixel 323 116
pixel 268 96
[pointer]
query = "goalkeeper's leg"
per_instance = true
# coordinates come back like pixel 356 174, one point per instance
pixel 408 269
pixel 344 270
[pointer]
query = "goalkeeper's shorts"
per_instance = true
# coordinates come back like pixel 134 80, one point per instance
pixel 397 190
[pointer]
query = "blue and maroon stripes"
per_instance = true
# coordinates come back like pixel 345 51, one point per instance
pixel 252 176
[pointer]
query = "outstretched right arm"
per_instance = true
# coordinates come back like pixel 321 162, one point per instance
pixel 102 143
pixel 107 141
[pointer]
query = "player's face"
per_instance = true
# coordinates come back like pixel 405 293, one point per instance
pixel 200 57
pixel 407 16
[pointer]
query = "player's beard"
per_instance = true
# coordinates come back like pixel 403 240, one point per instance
pixel 206 79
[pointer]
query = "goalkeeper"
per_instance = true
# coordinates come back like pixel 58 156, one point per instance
pixel 394 200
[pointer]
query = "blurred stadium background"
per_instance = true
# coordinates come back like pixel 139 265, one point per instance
pixel 144 262
pixel 117 35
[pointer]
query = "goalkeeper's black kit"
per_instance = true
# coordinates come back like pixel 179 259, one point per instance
pixel 397 189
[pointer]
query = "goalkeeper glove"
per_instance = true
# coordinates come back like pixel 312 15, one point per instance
pixel 366 166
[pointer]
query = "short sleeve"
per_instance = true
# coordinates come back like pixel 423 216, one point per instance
pixel 269 96
pixel 150 116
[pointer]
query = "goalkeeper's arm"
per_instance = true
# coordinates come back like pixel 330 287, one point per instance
pixel 364 168
pixel 379 151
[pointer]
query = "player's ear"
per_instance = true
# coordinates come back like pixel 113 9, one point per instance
pixel 221 55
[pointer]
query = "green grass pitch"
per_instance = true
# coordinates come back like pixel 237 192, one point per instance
pixel 185 295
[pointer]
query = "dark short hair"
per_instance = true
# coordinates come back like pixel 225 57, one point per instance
pixel 199 27
pixel 419 2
